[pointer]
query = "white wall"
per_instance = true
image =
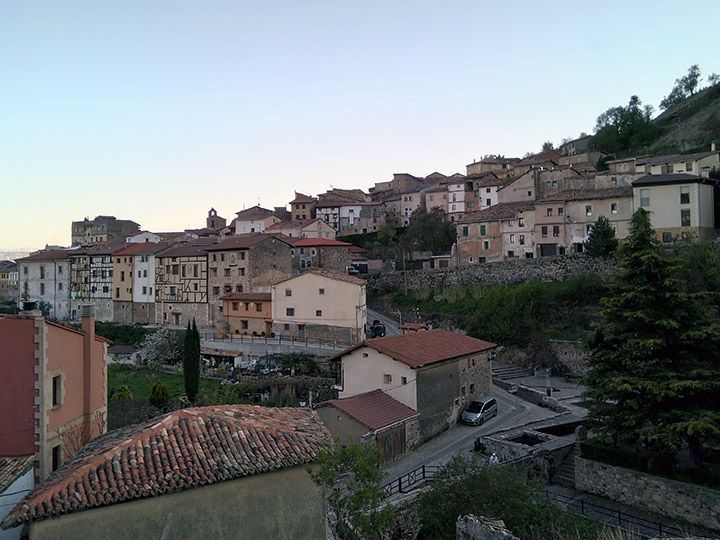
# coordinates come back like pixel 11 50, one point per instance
pixel 56 281
pixel 361 373
pixel 146 279
pixel 7 503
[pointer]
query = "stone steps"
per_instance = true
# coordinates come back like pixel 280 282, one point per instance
pixel 565 475
pixel 508 371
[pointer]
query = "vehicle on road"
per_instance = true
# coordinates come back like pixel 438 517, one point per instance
pixel 478 411
pixel 377 329
pixel 353 270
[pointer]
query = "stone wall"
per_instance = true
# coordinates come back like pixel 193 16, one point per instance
pixel 570 357
pixel 504 272
pixel 480 528
pixel 695 504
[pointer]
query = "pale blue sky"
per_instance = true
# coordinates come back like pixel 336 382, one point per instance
pixel 155 111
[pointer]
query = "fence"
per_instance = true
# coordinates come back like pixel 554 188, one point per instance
pixel 317 343
pixel 639 526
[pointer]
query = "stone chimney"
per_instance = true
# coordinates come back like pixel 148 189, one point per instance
pixel 88 328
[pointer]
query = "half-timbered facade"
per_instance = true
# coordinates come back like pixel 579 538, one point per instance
pixel 91 280
pixel 181 285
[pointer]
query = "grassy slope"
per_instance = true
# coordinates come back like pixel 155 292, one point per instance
pixel 690 125
pixel 140 381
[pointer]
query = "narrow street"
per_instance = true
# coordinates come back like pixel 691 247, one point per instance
pixel 392 327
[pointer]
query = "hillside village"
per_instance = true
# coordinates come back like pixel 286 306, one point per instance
pixel 293 280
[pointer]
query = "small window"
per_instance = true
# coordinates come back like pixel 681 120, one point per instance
pixel 483 230
pixel 472 389
pixel 290 312
pixel 462 391
pixel 688 166
pixel 685 218
pixel 288 292
pixel 614 208
pixel 549 211
pixel 286 326
pixel 258 306
pixel 235 306
pixel 522 240
pixel 486 244
pixel 365 355
pixel 243 325
pixel 321 291
pixel 465 230
pixel 666 237
pixel 588 210
pixel 57 390
pixel 521 222
pixel 512 238
pixel 684 195
pixel 60 286
pixel 556 231
pixel 544 231
pixel 318 312
pixel 387 379
pixel 488 202
pixel 56 457
pixel 216 290
pixel 561 211
pixel 644 198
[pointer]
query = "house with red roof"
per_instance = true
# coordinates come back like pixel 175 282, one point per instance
pixel 221 472
pixel 321 253
pixel 372 416
pixel 435 373
pixel 254 220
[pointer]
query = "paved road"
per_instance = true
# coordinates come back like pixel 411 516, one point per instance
pixel 512 412
pixel 392 327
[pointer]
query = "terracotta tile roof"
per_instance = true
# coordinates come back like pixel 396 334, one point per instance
pixel 140 248
pixel 292 224
pixel 253 213
pixel 497 212
pixel 52 255
pixel 240 241
pixel 423 348
pixel 11 468
pixel 328 274
pixel 184 449
pixel 320 242
pixel 248 296
pixel 374 409
pixel 184 250
pixel 301 198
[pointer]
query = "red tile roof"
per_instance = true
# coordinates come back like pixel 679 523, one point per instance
pixel 374 409
pixel 12 468
pixel 319 242
pixel 184 449
pixel 248 296
pixel 330 274
pixel 46 256
pixel 246 241
pixel 300 199
pixel 420 349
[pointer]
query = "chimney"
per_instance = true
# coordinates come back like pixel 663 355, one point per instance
pixel 88 328
pixel 713 147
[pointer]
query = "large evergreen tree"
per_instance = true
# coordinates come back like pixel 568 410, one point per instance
pixel 601 240
pixel 654 363
pixel 191 361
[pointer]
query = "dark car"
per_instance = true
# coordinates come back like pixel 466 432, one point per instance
pixel 377 329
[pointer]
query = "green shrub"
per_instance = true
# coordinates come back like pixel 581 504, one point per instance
pixel 159 395
pixel 122 394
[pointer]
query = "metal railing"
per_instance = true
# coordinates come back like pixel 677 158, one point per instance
pixel 412 480
pixel 307 342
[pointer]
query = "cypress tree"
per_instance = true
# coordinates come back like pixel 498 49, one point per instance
pixel 191 362
pixel 654 368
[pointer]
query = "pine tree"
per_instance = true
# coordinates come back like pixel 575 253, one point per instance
pixel 655 372
pixel 601 240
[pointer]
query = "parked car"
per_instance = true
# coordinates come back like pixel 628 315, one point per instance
pixel 377 329
pixel 353 270
pixel 478 411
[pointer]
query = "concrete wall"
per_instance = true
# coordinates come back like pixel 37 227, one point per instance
pixel 279 505
pixel 123 312
pixel 143 313
pixel 363 370
pixel 344 428
pixel 677 500
pixel 144 284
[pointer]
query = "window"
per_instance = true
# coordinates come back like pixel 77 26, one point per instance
pixel 42 272
pixel 387 378
pixel 235 306
pixel 688 166
pixel 25 270
pixel 42 288
pixel 318 312
pixel 214 257
pixel 144 273
pixel 588 210
pixel 57 390
pixel 244 325
pixel 483 230
pixel 238 288
pixel 486 244
pixel 561 211
pixel 288 292
pixel 122 275
pixel 226 272
pixel 472 388
pixel 549 212
pixel 241 272
pixel 613 208
pixel 60 269
pixel 258 306
pixel 290 312
pixel 222 257
pixel 462 391
pixel 685 218
pixel 216 290
pixel 511 254
pixel 644 198
pixel 150 290
pixel 521 222
pixel 175 269
pixel 465 230
pixel 556 231
pixel 403 380
pixel 666 237
pixel 172 291
pixel 684 195
pixel 117 292
pixel 529 193
pixel 144 290
pixel 365 355
pixel 512 238
pixel 522 240
pixel 321 291
pixel 488 202
pixel 139 273
pixel 56 457
pixel 544 230
pixel 60 286
pixel 588 229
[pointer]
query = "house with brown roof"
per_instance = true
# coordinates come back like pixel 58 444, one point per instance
pixel 246 263
pixel 254 220
pixel 340 208
pixel 320 303
pixel 52 389
pixel 302 207
pixel 181 285
pixel 497 165
pixel 303 228
pixel 485 187
pixel 372 416
pixel 91 280
pixel 435 373
pixel 321 253
pixel 225 472
pixel 698 164
pixel 44 277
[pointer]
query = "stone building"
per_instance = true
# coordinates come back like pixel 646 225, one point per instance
pixel 240 473
pixel 91 280
pixel 53 389
pixel 322 304
pixel 302 207
pixel 181 285
pixel 8 281
pixel 497 165
pixel 303 228
pixel 214 222
pixel 247 314
pixel 254 220
pixel 435 373
pixel 44 278
pixel 321 253
pixel 244 263
pixel 102 230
